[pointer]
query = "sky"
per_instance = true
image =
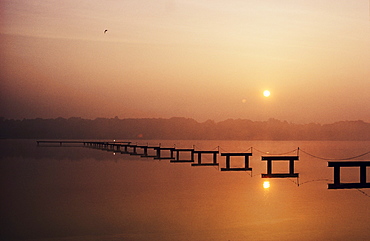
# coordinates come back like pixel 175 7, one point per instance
pixel 200 59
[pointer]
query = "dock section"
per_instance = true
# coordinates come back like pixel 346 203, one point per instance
pixel 178 159
pixel 161 150
pixel 228 156
pixel 270 159
pixel 199 160
pixel 337 166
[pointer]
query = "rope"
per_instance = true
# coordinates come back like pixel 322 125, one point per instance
pixel 200 149
pixel 249 149
pixel 251 174
pixel 323 158
pixel 316 180
pixel 277 154
pixel 222 149
pixel 194 147
pixel 362 192
pixel 295 182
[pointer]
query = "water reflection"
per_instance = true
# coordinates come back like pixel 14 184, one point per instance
pixel 266 184
pixel 94 195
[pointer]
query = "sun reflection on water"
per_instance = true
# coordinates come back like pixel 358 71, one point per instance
pixel 266 184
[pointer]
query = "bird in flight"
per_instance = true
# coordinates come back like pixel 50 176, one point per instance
pixel 105 30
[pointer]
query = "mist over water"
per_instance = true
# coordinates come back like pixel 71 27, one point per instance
pixel 80 193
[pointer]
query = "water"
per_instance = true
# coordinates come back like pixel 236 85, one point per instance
pixel 78 193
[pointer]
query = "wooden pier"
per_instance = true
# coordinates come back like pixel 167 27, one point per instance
pixel 179 150
pixel 173 154
pixel 269 160
pixel 246 162
pixel 135 151
pixel 200 163
pixel 146 151
pixel 169 150
pixel 339 185
pixel 59 142
pixel 85 143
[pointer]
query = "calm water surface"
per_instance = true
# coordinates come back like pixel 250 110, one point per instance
pixel 79 193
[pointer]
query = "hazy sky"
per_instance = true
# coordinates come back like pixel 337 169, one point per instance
pixel 202 59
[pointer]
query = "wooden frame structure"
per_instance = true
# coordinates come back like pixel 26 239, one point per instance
pixel 269 160
pixel 246 161
pixel 177 155
pixel 338 164
pixel 200 163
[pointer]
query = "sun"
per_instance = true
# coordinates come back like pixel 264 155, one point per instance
pixel 266 184
pixel 266 93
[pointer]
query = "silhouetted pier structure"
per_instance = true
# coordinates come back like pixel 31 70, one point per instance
pixel 174 155
pixel 60 142
pixel 98 144
pixel 246 161
pixel 143 153
pixel 199 155
pixel 128 149
pixel 134 150
pixel 107 146
pixel 169 150
pixel 339 185
pixel 148 153
pixel 269 160
pixel 183 150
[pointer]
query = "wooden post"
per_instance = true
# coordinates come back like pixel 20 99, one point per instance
pixel 363 174
pixel 227 162
pixel 215 158
pixel 291 167
pixel 269 167
pixel 337 175
pixel 246 161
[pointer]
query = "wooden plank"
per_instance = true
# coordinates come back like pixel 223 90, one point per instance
pixel 209 152
pixel 149 156
pixel 62 141
pixel 279 175
pixel 279 158
pixel 181 161
pixel 165 148
pixel 163 158
pixel 236 154
pixel 348 163
pixel 205 164
pixel 236 169
pixel 348 185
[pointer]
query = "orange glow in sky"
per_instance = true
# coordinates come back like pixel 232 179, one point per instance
pixel 195 59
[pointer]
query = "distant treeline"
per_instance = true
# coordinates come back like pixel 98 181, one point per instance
pixel 180 129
